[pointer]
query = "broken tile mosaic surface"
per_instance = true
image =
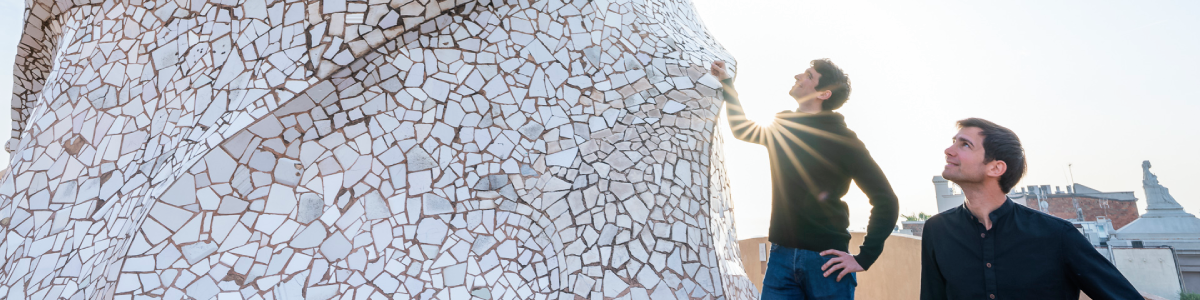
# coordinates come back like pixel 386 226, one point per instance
pixel 353 149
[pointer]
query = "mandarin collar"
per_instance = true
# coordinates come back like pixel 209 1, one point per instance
pixel 1000 212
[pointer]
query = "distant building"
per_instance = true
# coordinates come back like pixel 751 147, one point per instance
pixel 1151 270
pixel 755 252
pixel 1076 203
pixel 1165 224
pixel 916 228
pixel 1099 232
pixel 947 193
pixel 1081 203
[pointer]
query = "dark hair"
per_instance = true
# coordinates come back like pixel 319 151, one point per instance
pixel 834 80
pixel 1000 143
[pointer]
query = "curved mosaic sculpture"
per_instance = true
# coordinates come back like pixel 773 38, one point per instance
pixel 346 149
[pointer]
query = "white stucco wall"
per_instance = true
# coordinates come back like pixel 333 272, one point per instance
pixel 1150 270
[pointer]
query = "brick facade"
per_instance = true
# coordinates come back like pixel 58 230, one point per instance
pixel 1121 212
pixel 917 227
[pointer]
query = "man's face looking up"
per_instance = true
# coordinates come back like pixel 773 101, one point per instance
pixel 806 85
pixel 965 162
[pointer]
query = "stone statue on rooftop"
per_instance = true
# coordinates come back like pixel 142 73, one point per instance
pixel 1158 197
pixel 1148 178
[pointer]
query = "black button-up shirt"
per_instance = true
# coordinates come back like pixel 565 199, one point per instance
pixel 1026 255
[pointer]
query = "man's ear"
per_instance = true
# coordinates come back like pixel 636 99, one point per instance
pixel 996 168
pixel 824 95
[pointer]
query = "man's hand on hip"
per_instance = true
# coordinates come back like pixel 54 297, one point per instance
pixel 844 261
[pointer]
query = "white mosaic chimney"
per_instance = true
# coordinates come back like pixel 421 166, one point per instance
pixel 346 149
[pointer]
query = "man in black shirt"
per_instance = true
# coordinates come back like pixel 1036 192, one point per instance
pixel 813 158
pixel 992 248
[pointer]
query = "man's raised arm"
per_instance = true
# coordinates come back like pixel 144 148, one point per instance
pixel 743 128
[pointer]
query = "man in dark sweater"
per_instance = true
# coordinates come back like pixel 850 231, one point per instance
pixel 813 158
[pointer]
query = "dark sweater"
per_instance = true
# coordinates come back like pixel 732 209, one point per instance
pixel 813 158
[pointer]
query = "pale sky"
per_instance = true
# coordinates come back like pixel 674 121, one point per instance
pixel 12 17
pixel 1101 85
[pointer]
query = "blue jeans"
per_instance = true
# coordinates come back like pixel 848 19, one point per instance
pixel 796 274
